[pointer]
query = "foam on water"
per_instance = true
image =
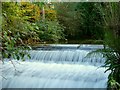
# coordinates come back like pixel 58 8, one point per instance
pixel 64 68
pixel 41 75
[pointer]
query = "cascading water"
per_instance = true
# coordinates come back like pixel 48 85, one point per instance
pixel 57 66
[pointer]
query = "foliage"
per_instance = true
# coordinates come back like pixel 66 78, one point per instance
pixel 50 14
pixel 49 28
pixel 14 28
pixel 68 17
pixel 112 40
pixel 82 20
pixel 22 26
pixel 31 12
pixel 90 20
pixel 50 31
pixel 111 16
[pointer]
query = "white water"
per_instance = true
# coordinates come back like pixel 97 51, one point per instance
pixel 66 56
pixel 66 68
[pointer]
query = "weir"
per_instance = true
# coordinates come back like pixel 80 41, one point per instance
pixel 57 66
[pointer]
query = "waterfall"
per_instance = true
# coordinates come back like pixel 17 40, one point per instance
pixel 57 66
pixel 72 54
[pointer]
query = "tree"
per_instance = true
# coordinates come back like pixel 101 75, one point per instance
pixel 22 26
pixel 90 20
pixel 15 30
pixel 82 20
pixel 49 28
pixel 30 11
pixel 68 17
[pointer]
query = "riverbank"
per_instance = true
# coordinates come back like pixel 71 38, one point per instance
pixel 97 42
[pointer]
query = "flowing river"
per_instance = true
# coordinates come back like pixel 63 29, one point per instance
pixel 57 66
